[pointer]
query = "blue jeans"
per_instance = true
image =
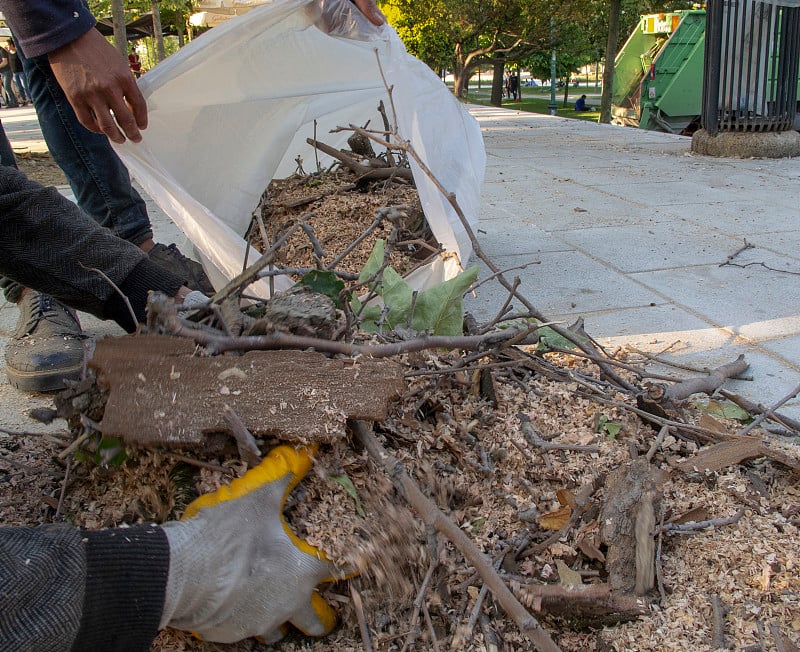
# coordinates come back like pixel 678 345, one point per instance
pixel 8 89
pixel 22 85
pixel 97 176
pixel 99 180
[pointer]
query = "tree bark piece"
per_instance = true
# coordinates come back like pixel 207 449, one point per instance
pixel 632 498
pixel 594 605
pixel 162 395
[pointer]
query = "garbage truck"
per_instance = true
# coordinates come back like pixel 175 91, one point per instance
pixel 658 79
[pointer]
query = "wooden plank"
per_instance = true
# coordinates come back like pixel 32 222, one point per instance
pixel 160 394
pixel 726 453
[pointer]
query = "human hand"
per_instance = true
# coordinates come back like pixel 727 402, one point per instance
pixel 237 570
pixel 100 87
pixel 371 11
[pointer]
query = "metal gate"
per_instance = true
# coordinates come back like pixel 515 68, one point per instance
pixel 752 52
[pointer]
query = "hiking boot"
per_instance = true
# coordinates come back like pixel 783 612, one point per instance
pixel 191 271
pixel 47 346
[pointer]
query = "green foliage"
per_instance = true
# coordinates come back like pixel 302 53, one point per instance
pixel 723 410
pixel 610 428
pixel 437 310
pixel 549 339
pixel 108 451
pixel 324 282
pixel 350 488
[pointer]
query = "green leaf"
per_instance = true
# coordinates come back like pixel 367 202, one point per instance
pixel 477 524
pixel 724 409
pixel 369 315
pixel 374 261
pixel 350 488
pixel 110 452
pixel 323 282
pixel 611 428
pixel 549 339
pixel 397 296
pixel 439 310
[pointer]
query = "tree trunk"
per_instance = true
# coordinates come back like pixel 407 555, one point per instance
pixel 180 25
pixel 118 18
pixel 157 32
pixel 611 54
pixel 566 91
pixel 497 81
pixel 459 71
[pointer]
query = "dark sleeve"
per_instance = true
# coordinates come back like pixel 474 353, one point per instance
pixel 49 244
pixel 41 26
pixel 66 589
pixel 42 578
pixel 126 582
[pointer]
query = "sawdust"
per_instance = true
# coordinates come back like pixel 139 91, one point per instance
pixel 343 210
pixel 466 454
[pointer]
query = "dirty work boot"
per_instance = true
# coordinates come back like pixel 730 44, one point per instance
pixel 192 272
pixel 47 345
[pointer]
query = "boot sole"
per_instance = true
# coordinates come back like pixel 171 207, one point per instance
pixel 42 381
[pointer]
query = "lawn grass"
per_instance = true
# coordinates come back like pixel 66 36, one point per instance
pixel 537 100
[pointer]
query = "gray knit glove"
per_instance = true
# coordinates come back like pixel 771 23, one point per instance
pixel 237 570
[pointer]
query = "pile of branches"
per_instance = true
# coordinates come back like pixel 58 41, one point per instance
pixel 616 519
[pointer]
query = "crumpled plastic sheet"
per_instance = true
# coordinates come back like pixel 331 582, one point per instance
pixel 232 110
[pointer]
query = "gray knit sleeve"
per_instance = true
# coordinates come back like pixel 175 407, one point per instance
pixel 42 579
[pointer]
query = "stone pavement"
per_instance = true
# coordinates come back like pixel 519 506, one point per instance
pixel 628 230
pixel 624 228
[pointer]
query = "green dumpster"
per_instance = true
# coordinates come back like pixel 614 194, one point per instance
pixel 658 79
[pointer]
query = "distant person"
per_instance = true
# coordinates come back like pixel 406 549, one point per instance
pixel 18 73
pixel 507 85
pixel 580 104
pixel 135 64
pixel 513 86
pixel 7 73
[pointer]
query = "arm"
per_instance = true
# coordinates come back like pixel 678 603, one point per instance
pixel 231 569
pixel 94 76
pixel 62 589
pixel 47 243
pixel 371 11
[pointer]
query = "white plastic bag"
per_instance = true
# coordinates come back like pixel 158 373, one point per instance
pixel 232 110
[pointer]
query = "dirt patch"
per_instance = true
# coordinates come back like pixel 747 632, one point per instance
pixel 41 168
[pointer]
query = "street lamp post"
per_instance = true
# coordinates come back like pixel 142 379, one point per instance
pixel 553 106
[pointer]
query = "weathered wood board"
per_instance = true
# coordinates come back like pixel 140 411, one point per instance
pixel 162 394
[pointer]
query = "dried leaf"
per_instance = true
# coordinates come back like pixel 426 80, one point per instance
pixel 566 497
pixel 568 577
pixel 555 520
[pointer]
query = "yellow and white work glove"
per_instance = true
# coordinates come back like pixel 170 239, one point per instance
pixel 236 569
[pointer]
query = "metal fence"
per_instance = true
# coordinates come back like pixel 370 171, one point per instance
pixel 752 53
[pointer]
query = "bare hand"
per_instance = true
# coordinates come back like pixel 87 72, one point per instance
pixel 371 11
pixel 100 87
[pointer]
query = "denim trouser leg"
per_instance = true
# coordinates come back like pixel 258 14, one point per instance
pixel 97 176
pixel 22 85
pixel 8 89
pixel 100 182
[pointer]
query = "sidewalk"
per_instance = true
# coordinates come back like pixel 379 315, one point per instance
pixel 628 229
pixel 624 228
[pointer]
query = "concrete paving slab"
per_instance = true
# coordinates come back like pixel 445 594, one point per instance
pixel 505 237
pixel 738 299
pixel 564 283
pixel 635 248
